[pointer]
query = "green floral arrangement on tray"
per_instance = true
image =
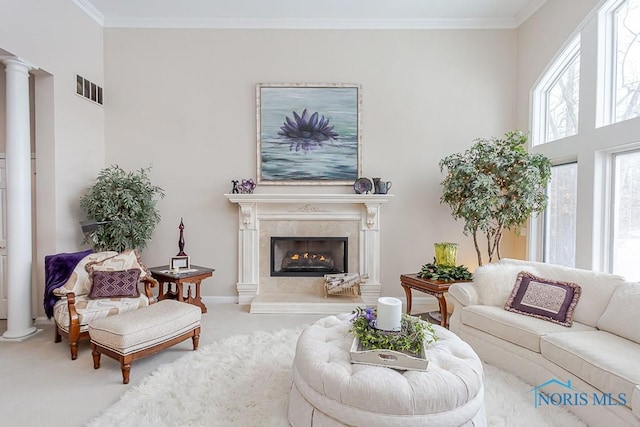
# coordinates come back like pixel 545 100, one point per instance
pixel 413 334
pixel 446 273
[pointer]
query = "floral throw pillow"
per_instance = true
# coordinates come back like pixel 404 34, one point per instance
pixel 546 299
pixel 115 284
pixel 120 261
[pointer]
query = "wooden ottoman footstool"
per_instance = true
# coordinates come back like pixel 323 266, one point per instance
pixel 135 334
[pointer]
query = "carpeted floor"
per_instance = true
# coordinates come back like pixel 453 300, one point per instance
pixel 244 380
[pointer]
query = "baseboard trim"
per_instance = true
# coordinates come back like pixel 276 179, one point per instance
pixel 220 300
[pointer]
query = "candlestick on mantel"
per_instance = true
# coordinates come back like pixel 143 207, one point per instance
pixel 389 314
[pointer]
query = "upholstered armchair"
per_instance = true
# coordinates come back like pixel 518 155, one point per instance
pixel 84 286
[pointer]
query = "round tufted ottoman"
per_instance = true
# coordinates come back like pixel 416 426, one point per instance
pixel 328 390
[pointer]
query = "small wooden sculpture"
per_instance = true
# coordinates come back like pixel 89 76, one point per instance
pixel 181 240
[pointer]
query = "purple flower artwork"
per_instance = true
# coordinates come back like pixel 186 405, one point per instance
pixel 308 134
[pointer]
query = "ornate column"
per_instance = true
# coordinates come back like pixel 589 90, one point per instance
pixel 370 262
pixel 19 241
pixel 248 253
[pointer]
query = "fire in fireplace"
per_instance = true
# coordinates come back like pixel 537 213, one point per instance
pixel 308 256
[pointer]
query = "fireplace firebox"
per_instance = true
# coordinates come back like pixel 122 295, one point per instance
pixel 308 256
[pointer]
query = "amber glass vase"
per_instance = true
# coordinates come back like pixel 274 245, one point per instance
pixel 446 253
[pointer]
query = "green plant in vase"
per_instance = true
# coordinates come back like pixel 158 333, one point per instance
pixel 445 273
pixel 127 204
pixel 495 185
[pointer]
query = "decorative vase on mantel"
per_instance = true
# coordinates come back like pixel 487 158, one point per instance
pixel 446 253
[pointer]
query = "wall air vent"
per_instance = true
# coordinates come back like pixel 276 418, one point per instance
pixel 88 90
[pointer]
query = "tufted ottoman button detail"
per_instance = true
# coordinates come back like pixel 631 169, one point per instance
pixel 328 390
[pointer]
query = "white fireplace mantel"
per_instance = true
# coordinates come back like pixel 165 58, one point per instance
pixel 254 208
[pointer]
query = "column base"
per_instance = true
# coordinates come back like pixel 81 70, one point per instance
pixel 20 335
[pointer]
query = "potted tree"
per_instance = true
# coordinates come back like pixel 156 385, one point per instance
pixel 495 185
pixel 124 203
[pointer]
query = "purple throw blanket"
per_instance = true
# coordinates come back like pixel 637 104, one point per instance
pixel 57 270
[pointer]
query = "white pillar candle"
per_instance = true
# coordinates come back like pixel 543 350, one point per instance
pixel 389 314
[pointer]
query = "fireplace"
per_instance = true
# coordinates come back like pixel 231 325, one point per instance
pixel 263 216
pixel 308 256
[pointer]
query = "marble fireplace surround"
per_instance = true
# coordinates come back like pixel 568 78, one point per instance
pixel 261 216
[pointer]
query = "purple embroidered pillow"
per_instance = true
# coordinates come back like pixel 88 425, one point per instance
pixel 544 298
pixel 115 284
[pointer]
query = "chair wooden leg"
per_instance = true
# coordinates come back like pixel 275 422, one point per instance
pixel 96 356
pixel 196 338
pixel 73 347
pixel 57 336
pixel 74 337
pixel 125 365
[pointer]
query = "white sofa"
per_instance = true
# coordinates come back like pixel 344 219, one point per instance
pixel 598 354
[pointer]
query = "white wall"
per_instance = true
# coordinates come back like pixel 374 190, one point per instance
pixel 183 101
pixel 61 40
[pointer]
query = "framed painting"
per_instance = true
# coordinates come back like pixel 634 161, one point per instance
pixel 308 134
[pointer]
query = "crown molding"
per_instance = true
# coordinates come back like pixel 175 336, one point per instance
pixel 348 24
pixel 529 10
pixel 87 7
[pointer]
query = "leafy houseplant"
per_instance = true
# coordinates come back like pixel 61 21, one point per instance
pixel 126 201
pixel 493 186
pixel 445 273
pixel 410 339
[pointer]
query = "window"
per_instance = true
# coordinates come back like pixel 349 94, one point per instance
pixel 593 223
pixel 560 216
pixel 621 51
pixel 557 97
pixel 627 52
pixel 625 215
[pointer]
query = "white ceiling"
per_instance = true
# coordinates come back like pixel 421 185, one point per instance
pixel 357 14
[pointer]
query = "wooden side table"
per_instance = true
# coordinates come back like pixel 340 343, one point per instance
pixel 193 276
pixel 437 288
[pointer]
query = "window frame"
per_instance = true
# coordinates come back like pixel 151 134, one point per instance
pixel 540 95
pixel 607 82
pixel 544 246
pixel 592 147
pixel 607 63
pixel 609 200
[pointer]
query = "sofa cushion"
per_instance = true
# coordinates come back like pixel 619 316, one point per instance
pixel 545 299
pixel 596 288
pixel 91 309
pixel 604 360
pixel 120 261
pixel 79 282
pixel 515 328
pixel 494 282
pixel 622 314
pixel 114 284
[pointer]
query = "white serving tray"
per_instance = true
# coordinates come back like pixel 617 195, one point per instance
pixel 388 358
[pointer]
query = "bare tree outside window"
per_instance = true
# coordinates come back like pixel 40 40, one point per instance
pixel 560 215
pixel 624 212
pixel 563 98
pixel 627 36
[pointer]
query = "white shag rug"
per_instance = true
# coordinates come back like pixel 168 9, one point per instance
pixel 244 380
